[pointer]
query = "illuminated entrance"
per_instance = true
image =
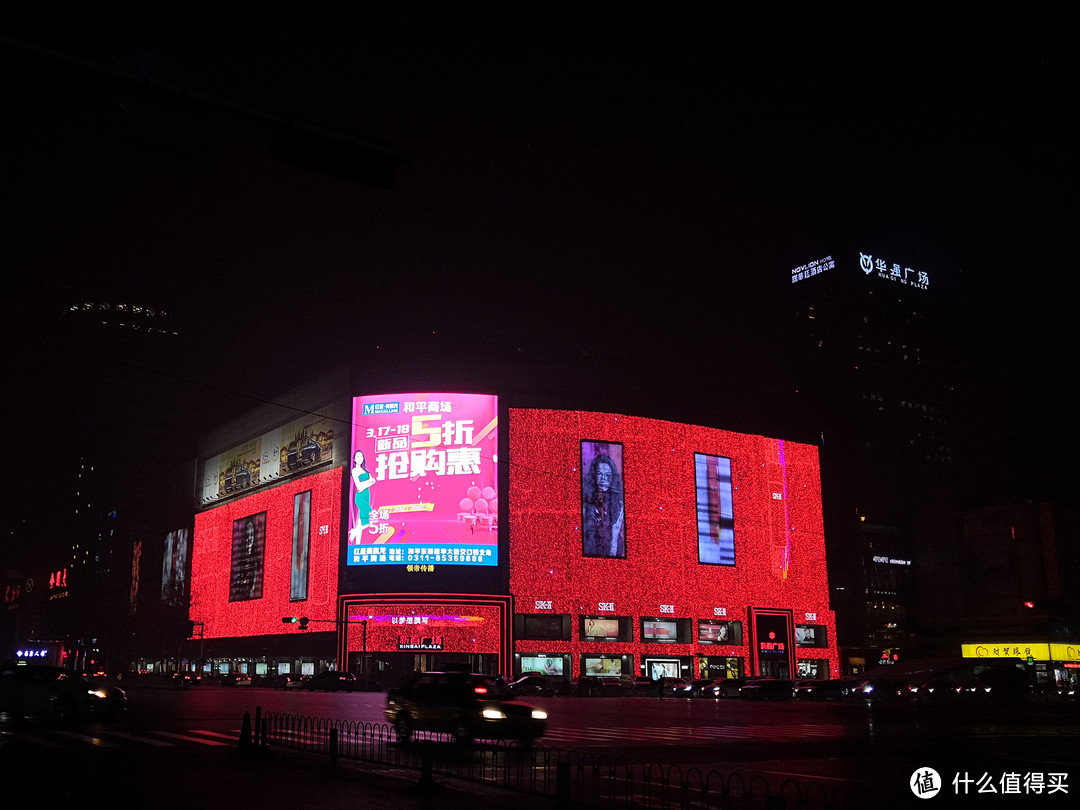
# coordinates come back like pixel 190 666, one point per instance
pixel 386 639
pixel 772 643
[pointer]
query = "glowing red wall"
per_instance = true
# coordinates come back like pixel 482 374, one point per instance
pixel 779 536
pixel 212 554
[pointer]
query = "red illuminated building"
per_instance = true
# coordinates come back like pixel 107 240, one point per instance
pixel 445 531
pixel 667 603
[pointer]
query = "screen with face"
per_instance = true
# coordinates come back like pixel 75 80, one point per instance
pixel 246 570
pixel 424 483
pixel 603 510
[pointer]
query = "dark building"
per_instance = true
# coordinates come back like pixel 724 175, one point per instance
pixel 874 373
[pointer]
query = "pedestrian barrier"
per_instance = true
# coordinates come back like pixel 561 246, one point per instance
pixel 571 778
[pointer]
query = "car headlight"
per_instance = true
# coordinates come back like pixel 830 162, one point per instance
pixel 494 714
pixel 98 693
pixel 539 714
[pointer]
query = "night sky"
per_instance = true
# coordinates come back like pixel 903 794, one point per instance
pixel 628 181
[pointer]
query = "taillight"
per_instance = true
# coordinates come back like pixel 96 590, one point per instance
pixel 480 690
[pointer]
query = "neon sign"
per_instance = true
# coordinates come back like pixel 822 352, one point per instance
pixel 893 272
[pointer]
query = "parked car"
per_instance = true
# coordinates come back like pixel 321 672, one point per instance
pixel 185 680
pixel 725 688
pixel 331 681
pixel 467 706
pixel 235 679
pixel 676 687
pixel 282 681
pixel 699 687
pixel 823 688
pixel 646 686
pixel 768 689
pixel 27 691
pixel 883 689
pixel 532 685
pixel 616 686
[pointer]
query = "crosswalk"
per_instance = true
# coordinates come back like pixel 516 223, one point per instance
pixel 588 736
pixel 684 735
pixel 52 738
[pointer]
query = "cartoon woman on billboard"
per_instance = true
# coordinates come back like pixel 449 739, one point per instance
pixel 362 481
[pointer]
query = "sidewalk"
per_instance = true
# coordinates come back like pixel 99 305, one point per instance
pixel 166 778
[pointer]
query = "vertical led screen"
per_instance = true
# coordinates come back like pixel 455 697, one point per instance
pixel 174 568
pixel 298 578
pixel 222 574
pixel 603 510
pixel 246 570
pixel 424 484
pixel 716 534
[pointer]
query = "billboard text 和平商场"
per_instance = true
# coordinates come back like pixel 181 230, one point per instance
pixel 423 482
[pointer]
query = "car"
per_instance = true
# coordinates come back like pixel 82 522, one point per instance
pixel 725 688
pixel 616 686
pixel 823 688
pixel 768 689
pixel 676 687
pixel 283 681
pixel 304 451
pixel 236 679
pixel 644 685
pixel 699 687
pixel 331 680
pixel 27 691
pixel 467 706
pixel 185 680
pixel 532 685
pixel 880 689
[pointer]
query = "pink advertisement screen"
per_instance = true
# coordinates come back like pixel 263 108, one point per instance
pixel 423 481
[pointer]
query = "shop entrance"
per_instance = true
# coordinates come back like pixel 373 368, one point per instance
pixel 386 670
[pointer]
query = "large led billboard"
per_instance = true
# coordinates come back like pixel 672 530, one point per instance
pixel 174 568
pixel 713 524
pixel 271 554
pixel 423 488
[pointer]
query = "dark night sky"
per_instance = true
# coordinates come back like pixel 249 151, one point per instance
pixel 629 180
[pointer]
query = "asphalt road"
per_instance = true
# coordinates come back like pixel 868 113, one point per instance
pixel 865 746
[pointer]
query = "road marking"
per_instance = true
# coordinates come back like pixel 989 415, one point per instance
pixel 234 737
pixel 135 738
pixel 189 738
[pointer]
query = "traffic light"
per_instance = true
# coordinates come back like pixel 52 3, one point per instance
pixel 289 620
pixel 301 620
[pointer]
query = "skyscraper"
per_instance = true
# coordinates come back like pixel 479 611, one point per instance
pixel 874 372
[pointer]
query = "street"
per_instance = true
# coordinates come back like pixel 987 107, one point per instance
pixel 831 743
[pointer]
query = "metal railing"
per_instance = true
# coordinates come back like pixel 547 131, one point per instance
pixel 570 778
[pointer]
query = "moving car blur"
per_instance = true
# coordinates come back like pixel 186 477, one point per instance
pixel 28 691
pixel 467 706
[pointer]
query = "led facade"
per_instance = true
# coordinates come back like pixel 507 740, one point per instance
pixel 271 554
pixel 664 607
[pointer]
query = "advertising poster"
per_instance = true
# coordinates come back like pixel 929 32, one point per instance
pixel 246 568
pixel 603 512
pixel 174 568
pixel 424 484
pixel 301 544
pixel 716 532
